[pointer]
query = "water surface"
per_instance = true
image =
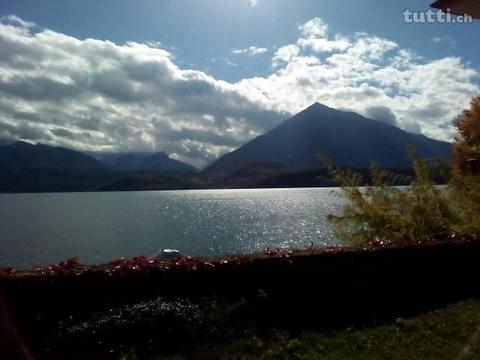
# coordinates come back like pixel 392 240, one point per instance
pixel 98 227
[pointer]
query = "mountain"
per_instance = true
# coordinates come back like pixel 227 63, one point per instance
pixel 25 167
pixel 40 168
pixel 21 156
pixel 347 138
pixel 159 162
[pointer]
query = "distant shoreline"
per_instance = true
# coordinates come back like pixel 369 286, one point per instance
pixel 185 189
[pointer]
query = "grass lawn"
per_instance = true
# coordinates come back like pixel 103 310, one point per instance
pixel 452 332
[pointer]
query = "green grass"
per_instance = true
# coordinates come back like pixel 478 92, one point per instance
pixel 448 333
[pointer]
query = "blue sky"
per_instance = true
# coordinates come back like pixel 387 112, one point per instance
pixel 245 65
pixel 199 31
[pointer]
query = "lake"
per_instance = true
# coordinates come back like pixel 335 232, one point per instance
pixel 39 229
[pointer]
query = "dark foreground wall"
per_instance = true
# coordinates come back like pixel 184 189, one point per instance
pixel 318 289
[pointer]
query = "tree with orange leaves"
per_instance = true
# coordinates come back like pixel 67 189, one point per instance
pixel 465 181
pixel 466 150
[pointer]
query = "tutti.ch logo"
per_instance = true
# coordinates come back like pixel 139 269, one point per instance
pixel 431 16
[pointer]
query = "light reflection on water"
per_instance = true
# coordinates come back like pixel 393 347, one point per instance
pixel 98 227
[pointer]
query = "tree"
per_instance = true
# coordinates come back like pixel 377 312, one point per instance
pixel 422 212
pixel 383 213
pixel 466 150
pixel 465 181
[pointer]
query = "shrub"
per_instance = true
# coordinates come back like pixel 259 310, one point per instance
pixel 383 213
pixel 421 212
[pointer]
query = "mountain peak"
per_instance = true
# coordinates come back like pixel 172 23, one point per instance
pixel 314 110
pixel 317 106
pixel 347 138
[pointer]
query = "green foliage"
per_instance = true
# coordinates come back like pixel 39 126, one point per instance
pixel 465 199
pixel 384 213
pixel 466 150
pixel 465 180
pixel 420 212
pixel 447 333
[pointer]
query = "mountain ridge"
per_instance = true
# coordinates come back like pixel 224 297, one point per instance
pixel 20 155
pixel 347 138
pixel 144 161
pixel 283 157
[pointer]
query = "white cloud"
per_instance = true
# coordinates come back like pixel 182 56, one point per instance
pixel 253 3
pixel 315 37
pixel 444 41
pixel 15 20
pixel 230 62
pixel 154 44
pixel 285 54
pixel 251 51
pixel 324 45
pixel 97 95
pixel 440 39
pixel 314 28
pixel 363 72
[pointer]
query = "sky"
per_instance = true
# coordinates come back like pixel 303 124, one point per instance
pixel 198 78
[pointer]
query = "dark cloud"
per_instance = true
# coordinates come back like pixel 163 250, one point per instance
pixel 38 88
pixel 413 127
pixel 432 112
pixel 23 131
pixel 63 133
pixel 382 114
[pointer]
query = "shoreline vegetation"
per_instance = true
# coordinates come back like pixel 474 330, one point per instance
pixel 254 176
pixel 397 291
pixel 74 267
pixel 420 212
pixel 135 307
